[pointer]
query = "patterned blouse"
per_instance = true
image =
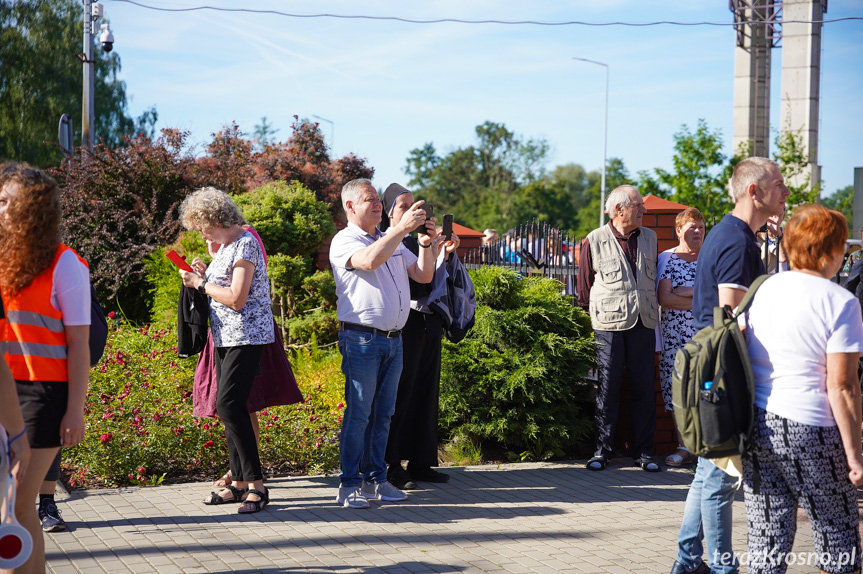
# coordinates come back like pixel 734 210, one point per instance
pixel 253 324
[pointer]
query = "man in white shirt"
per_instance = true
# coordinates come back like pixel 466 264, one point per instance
pixel 371 271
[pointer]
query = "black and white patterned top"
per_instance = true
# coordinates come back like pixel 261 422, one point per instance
pixel 676 324
pixel 253 324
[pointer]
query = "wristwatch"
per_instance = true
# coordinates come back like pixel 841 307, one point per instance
pixel 202 288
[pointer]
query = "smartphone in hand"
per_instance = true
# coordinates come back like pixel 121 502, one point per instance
pixel 429 209
pixel 447 226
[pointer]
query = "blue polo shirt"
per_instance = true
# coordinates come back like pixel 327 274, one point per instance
pixel 729 258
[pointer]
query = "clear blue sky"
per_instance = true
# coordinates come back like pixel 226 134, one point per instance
pixel 389 87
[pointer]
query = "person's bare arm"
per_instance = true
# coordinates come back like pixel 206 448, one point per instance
pixel 234 296
pixel 679 298
pixel 78 366
pixel 13 422
pixel 730 296
pixel 843 392
pixel 373 256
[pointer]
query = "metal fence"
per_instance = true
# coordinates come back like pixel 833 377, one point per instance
pixel 531 249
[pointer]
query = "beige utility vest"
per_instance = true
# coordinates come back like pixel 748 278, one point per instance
pixel 616 298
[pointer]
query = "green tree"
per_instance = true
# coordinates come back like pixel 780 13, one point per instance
pixel 287 216
pixel 793 162
pixel 842 201
pixel 292 222
pixel 587 218
pixel 264 134
pixel 698 178
pixel 556 198
pixel 40 79
pixel 478 183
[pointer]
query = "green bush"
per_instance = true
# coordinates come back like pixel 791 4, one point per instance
pixel 140 428
pixel 315 321
pixel 517 379
pixel 164 280
pixel 287 216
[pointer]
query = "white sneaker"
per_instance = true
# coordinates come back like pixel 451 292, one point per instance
pixel 352 497
pixel 383 491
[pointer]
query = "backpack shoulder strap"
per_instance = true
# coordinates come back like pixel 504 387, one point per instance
pixel 750 295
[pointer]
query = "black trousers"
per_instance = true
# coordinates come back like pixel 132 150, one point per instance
pixel 236 368
pixel 634 349
pixel 414 424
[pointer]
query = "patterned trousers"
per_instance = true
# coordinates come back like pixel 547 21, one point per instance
pixel 790 463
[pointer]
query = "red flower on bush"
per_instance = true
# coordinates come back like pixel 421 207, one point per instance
pixel 209 444
pixel 111 315
pixel 105 438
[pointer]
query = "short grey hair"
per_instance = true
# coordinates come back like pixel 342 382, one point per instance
pixel 209 207
pixel 619 196
pixel 752 170
pixel 352 190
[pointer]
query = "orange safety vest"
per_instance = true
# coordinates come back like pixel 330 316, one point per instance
pixel 34 334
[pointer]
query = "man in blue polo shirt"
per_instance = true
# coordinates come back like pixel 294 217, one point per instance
pixel 728 263
pixel 371 271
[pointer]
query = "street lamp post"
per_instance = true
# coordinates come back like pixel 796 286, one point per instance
pixel 604 140
pixel 332 131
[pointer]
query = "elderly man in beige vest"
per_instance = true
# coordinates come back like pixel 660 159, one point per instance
pixel 617 286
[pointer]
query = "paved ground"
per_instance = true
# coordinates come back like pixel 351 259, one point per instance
pixel 509 518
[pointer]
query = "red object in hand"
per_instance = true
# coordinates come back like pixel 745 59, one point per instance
pixel 179 261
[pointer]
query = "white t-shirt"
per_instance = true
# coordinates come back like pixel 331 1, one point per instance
pixel 70 293
pixel 795 320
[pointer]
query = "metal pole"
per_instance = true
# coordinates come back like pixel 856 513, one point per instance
pixel 88 107
pixel 604 141
pixel 604 153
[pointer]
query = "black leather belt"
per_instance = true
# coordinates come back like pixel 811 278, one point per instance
pixel 364 329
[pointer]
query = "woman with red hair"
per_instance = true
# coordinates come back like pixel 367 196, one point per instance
pixel 804 336
pixel 45 287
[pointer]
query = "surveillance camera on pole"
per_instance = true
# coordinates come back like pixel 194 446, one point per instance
pixel 93 11
pixel 107 38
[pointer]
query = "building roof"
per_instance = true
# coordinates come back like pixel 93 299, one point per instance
pixel 655 204
pixel 463 231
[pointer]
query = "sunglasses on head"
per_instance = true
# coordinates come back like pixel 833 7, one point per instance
pixel 25 173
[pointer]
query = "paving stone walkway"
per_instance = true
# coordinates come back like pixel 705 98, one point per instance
pixel 547 517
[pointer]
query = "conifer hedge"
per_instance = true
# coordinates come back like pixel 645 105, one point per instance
pixel 518 378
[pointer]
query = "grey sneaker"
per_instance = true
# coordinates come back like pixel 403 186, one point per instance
pixel 352 497
pixel 50 517
pixel 383 491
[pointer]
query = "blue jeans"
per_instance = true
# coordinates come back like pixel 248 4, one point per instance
pixel 708 515
pixel 372 365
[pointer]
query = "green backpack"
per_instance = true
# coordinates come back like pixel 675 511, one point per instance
pixel 713 386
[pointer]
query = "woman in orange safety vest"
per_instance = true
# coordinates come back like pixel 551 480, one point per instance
pixel 45 288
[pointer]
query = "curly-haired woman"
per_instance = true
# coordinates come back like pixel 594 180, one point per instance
pixel 241 324
pixel 45 287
